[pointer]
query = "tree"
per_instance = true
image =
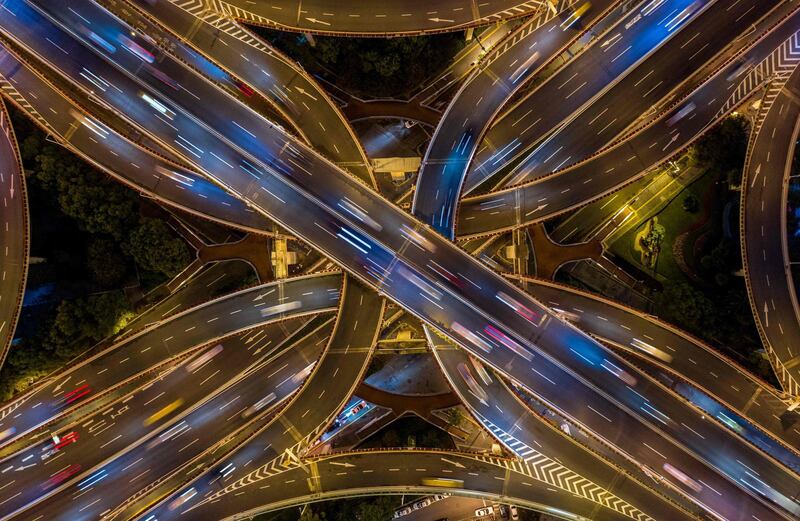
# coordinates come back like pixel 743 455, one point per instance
pixel 106 262
pixel 154 248
pixel 431 438
pixel 379 508
pixel 721 261
pixel 652 241
pixel 390 439
pixel 724 147
pixel 371 67
pixel 308 514
pixel 684 305
pixel 97 203
pixel 455 416
pixel 690 203
pixel 91 318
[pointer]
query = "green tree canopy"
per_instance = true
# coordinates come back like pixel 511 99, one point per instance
pixel 371 67
pixel 106 262
pixel 97 203
pixel 308 514
pixel 652 241
pixel 724 147
pixel 683 304
pixel 92 318
pixel 153 247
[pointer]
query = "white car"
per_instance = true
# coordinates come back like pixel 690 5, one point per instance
pixel 485 511
pixel 403 512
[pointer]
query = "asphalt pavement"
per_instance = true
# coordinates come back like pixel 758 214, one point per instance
pixel 764 186
pixel 551 333
pixel 137 355
pixel 629 159
pixel 14 234
pixel 354 17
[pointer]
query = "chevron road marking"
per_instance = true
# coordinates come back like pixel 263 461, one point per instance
pixel 532 464
pixel 540 467
pixel 776 69
pixel 230 11
pixel 14 95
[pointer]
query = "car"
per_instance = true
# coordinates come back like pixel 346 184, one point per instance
pixel 514 304
pixel 61 476
pixel 263 402
pixel 683 478
pixel 136 49
pixel 650 350
pixel 472 337
pixel 359 213
pixel 472 384
pixel 163 412
pixel 442 482
pixel 484 511
pixel 198 362
pixel 682 113
pixel 182 499
pixel 244 88
pixel 501 337
pixel 741 68
pixel 357 408
pixel 514 512
pixel 281 308
pixel 73 396
pixel 7 433
pixel 58 443
pixel 402 512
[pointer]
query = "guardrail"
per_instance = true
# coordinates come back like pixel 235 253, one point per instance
pixel 656 117
pixel 791 386
pixel 11 324
pixel 602 457
pixel 287 403
pixel 235 30
pixel 239 14
pixel 254 426
pixel 19 101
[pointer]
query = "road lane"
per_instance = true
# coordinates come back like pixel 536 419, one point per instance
pixel 140 353
pixel 553 333
pixel 296 94
pixel 676 353
pixel 631 158
pixel 764 248
pixel 530 438
pixel 498 76
pixel 318 403
pixel 354 17
pixel 188 438
pixel 119 427
pixel 14 234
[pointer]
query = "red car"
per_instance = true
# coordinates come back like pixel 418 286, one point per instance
pixel 61 476
pixel 244 88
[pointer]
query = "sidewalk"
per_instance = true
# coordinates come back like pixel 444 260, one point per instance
pixel 649 202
